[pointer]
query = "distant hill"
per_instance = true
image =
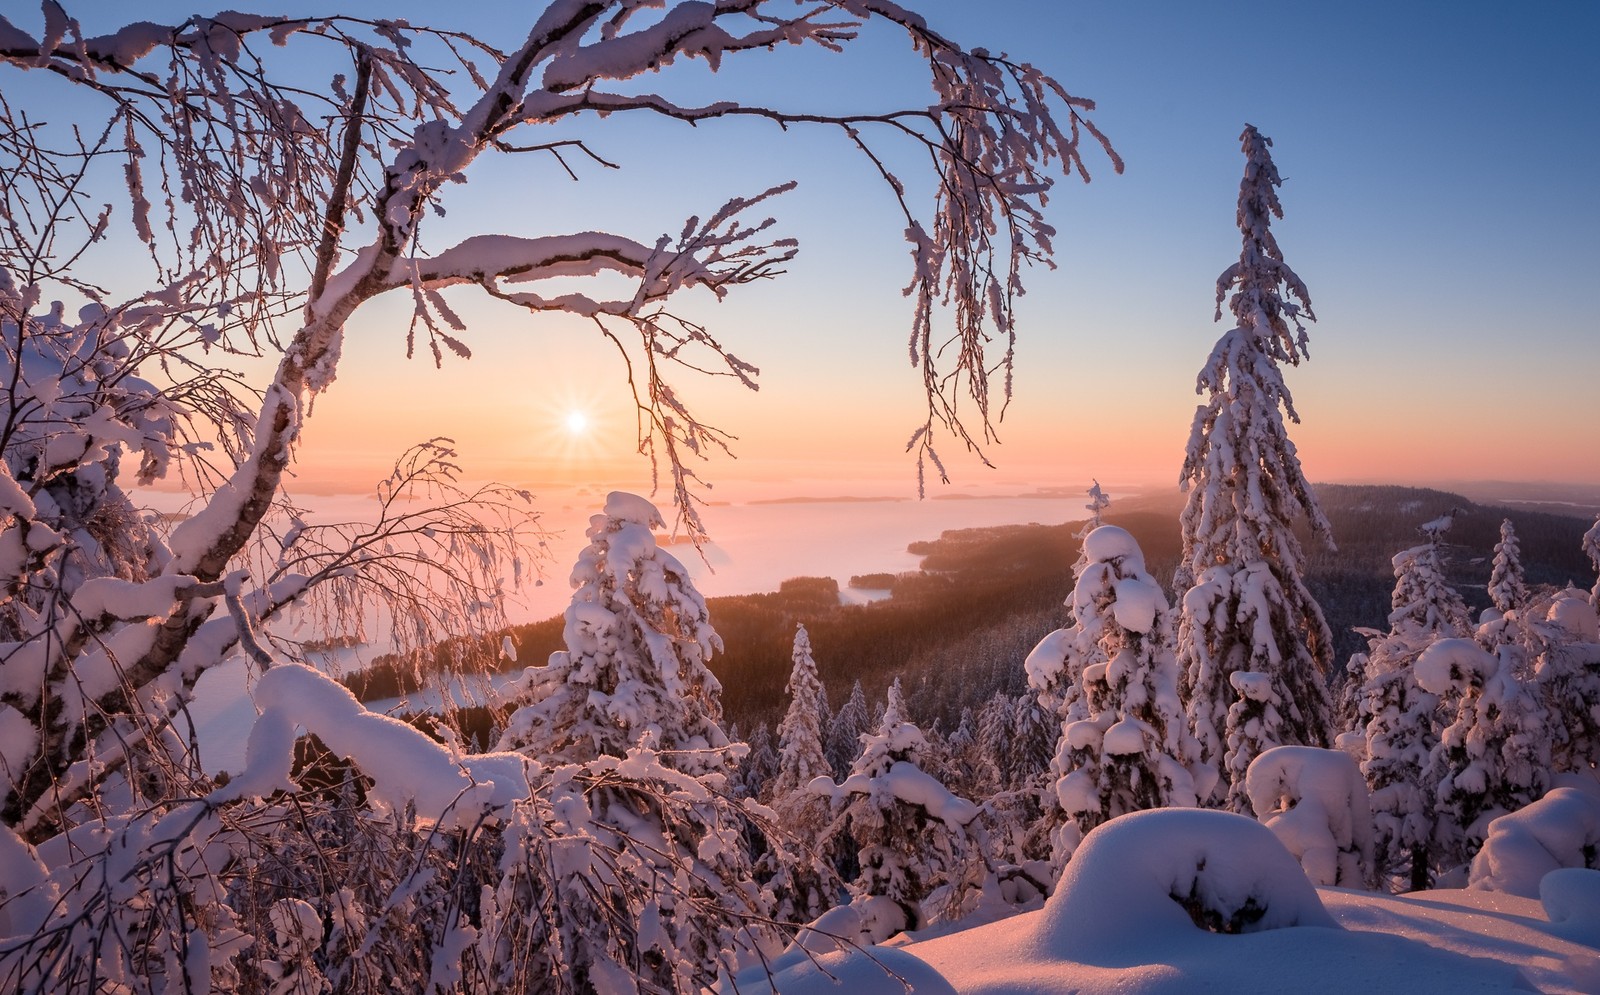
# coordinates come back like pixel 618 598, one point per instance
pixel 959 628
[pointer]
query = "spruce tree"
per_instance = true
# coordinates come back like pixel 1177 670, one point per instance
pixel 1507 587
pixel 849 723
pixel 1400 717
pixel 1245 605
pixel 910 830
pixel 634 671
pixel 1493 754
pixel 1134 751
pixel 802 878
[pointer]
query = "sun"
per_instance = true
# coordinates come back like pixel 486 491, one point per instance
pixel 576 422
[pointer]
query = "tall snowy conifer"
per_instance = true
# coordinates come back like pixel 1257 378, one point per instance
pixel 638 638
pixel 1134 750
pixel 803 880
pixel 1245 605
pixel 800 754
pixel 1507 587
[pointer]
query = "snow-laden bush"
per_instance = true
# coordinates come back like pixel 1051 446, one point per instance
pixel 1315 802
pixel 1562 829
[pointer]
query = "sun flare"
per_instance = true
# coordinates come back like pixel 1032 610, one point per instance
pixel 576 422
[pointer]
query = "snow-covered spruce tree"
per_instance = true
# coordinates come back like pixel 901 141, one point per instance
pixel 638 640
pixel 1400 719
pixel 1254 726
pixel 802 878
pixel 1014 752
pixel 758 766
pixel 1560 634
pixel 911 832
pixel 1244 602
pixel 850 723
pixel 1134 750
pixel 1315 801
pixel 1493 755
pixel 1507 587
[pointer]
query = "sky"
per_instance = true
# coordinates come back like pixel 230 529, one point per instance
pixel 1439 206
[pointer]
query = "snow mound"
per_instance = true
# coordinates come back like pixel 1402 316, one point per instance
pixel 1554 832
pixel 1173 871
pixel 1571 899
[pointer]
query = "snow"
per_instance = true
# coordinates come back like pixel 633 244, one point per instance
pixel 1109 543
pixel 1559 830
pixel 1447 662
pixel 1113 927
pixel 1138 600
pixel 1126 738
pixel 1315 802
pixel 404 764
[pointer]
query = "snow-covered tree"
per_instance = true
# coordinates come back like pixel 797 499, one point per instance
pixel 800 755
pixel 1507 588
pixel 758 766
pixel 802 880
pixel 1254 726
pixel 1424 602
pixel 1134 750
pixel 1493 754
pixel 1560 634
pixel 1244 601
pixel 850 723
pixel 638 640
pixel 910 830
pixel 1400 718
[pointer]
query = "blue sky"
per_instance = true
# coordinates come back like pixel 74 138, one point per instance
pixel 1437 161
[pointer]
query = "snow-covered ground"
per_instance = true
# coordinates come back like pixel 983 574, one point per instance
pixel 1114 926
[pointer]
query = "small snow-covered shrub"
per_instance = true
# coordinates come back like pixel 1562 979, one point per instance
pixel 1315 802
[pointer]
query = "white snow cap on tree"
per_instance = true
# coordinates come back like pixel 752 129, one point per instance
pixel 1245 605
pixel 638 638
